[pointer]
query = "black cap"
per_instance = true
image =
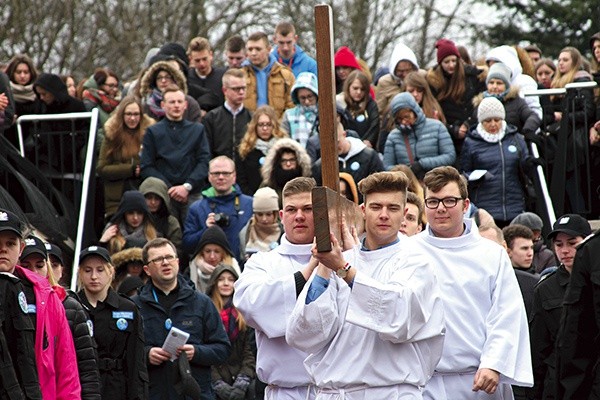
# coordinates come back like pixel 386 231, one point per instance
pixel 95 251
pixel 34 245
pixel 572 225
pixel 10 222
pixel 55 251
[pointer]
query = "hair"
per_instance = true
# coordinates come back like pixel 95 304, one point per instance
pixel 235 44
pixel 452 88
pixel 525 61
pixel 109 266
pixel 124 145
pixel 117 243
pixel 560 79
pixel 413 198
pixel 515 231
pixel 429 104
pixel 227 258
pixel 353 107
pixel 497 231
pixel 464 55
pixel 172 88
pixel 413 182
pixel 439 177
pixel 256 36
pixel 232 73
pixel 248 142
pixel 101 75
pixel 155 244
pixel 21 59
pixel 65 77
pixel 219 303
pixel 544 61
pixel 221 158
pixel 301 184
pixel 198 44
pixel 383 182
pixel 285 28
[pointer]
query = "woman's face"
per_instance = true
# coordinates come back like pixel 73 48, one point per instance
pixel 71 87
pixel 565 62
pixel 22 74
pixel 111 86
pixel 213 254
pixel 264 127
pixel 134 218
pixel 449 64
pixel 265 219
pixel 36 263
pixel 134 268
pixel 163 80
pixel 342 72
pixel 416 93
pixel 544 75
pixel 596 50
pixel 357 91
pixel 492 125
pixel 132 116
pixel 153 201
pixel 95 274
pixel 225 284
pixel 496 86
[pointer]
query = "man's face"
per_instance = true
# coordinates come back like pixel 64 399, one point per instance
pixel 159 269
pixel 285 44
pixel 564 247
pixel 410 225
pixel 10 250
pixel 404 68
pixel 35 263
pixel 297 218
pixel 535 56
pixel 235 58
pixel 521 253
pixel 446 222
pixel 258 53
pixel 235 91
pixel 202 61
pixel 221 176
pixel 174 104
pixel 383 214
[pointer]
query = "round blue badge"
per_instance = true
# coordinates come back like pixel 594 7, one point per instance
pixel 122 324
pixel 512 148
pixel 360 118
pixel 168 323
pixel 23 302
pixel 261 160
pixel 355 166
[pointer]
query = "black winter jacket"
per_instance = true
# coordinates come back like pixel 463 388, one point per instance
pixel 225 131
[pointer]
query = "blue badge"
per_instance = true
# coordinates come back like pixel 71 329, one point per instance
pixel 122 314
pixel 90 326
pixel 261 160
pixel 23 302
pixel 512 148
pixel 355 166
pixel 122 324
pixel 360 118
pixel 168 324
pixel 31 309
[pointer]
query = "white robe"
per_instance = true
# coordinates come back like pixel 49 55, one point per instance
pixel 265 294
pixel 486 325
pixel 383 337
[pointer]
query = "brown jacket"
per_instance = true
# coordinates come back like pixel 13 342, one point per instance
pixel 281 80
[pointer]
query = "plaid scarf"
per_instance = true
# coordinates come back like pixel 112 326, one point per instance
pixel 228 316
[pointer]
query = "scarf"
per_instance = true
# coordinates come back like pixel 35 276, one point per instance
pixel 133 237
pixel 262 239
pixel 228 316
pixel 499 96
pixel 265 145
pixel 100 98
pixel 153 102
pixel 22 93
pixel 492 137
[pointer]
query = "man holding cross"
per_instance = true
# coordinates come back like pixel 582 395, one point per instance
pixel 377 301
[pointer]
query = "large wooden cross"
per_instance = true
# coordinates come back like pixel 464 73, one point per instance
pixel 329 208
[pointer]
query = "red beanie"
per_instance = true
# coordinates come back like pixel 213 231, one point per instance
pixel 445 48
pixel 344 57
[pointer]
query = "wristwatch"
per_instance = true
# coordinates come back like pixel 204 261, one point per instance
pixel 342 272
pixel 188 187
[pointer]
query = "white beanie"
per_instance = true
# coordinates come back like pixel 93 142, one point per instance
pixel 265 200
pixel 490 107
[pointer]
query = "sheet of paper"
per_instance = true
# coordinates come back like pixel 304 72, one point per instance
pixel 176 338
pixel 477 174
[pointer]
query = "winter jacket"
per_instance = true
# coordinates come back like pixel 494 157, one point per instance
pixel 225 131
pixel 248 171
pixel 279 87
pixel 176 152
pixel 213 82
pixel 9 110
pixel 429 141
pixel 300 122
pixel 236 205
pixel 300 61
pixel 194 313
pixel 366 124
pixel 499 191
pixel 54 350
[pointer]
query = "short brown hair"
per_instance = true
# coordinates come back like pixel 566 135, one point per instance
pixel 198 44
pixel 285 28
pixel 439 177
pixel 256 36
pixel 154 244
pixel 301 184
pixel 382 182
pixel 512 232
pixel 413 198
pixel 172 88
pixel 232 73
pixel 235 44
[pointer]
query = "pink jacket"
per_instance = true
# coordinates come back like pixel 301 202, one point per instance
pixel 57 363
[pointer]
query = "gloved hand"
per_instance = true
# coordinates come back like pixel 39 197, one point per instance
pixel 223 390
pixel 237 394
pixel 532 137
pixel 242 382
pixel 533 162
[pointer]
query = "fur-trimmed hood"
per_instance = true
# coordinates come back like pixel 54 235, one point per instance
pixel 513 93
pixel 124 257
pixel 148 81
pixel 288 144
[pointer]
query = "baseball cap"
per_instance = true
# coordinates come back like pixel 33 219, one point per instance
pixel 95 251
pixel 572 225
pixel 33 245
pixel 10 222
pixel 54 250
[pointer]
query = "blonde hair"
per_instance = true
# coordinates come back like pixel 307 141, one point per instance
pixel 109 268
pixel 560 79
pixel 248 142
pixel 217 299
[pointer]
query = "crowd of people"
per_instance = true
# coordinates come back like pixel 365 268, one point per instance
pixel 451 291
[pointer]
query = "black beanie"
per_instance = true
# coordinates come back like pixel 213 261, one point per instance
pixel 214 235
pixel 174 49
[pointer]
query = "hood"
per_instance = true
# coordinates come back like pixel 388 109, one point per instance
pixel 148 81
pixel 53 84
pixel 406 100
pixel 593 38
pixel 513 93
pixel 356 146
pixel 291 145
pixel 219 269
pixel 132 200
pixel 124 257
pixel 213 235
pixel 344 57
pixel 159 188
pixel 305 80
pixel 401 52
pixel 90 83
pixel 508 56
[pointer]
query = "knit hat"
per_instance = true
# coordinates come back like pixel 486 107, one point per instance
pixel 10 222
pixel 33 245
pixel 214 235
pixel 446 48
pixel 265 199
pixel 572 225
pixel 530 220
pixel 499 71
pixel 174 49
pixel 490 107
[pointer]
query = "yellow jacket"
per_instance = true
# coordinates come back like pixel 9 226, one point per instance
pixel 280 82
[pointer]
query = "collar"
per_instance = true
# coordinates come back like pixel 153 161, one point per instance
pixel 363 248
pixel 231 110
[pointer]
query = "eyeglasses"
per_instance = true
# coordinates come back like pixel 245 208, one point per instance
pixel 448 202
pixel 221 173
pixel 264 125
pixel 164 78
pixel 132 114
pixel 160 260
pixel 112 85
pixel 285 161
pixel 238 88
pixel 304 99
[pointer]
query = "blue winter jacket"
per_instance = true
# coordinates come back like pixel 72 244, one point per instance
pixel 301 62
pixel 429 140
pixel 194 313
pixel 499 191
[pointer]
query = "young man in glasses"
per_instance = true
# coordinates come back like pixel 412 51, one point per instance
pixel 487 341
pixel 222 204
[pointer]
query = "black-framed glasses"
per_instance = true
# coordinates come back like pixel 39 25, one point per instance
pixel 448 202
pixel 160 260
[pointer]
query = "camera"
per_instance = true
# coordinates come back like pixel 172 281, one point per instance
pixel 222 220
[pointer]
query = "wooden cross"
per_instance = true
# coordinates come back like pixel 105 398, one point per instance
pixel 329 208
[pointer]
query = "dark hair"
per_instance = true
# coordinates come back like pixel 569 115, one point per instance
pixel 235 44
pixel 21 59
pixel 154 244
pixel 515 231
pixel 285 28
pixel 439 177
pixel 413 198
